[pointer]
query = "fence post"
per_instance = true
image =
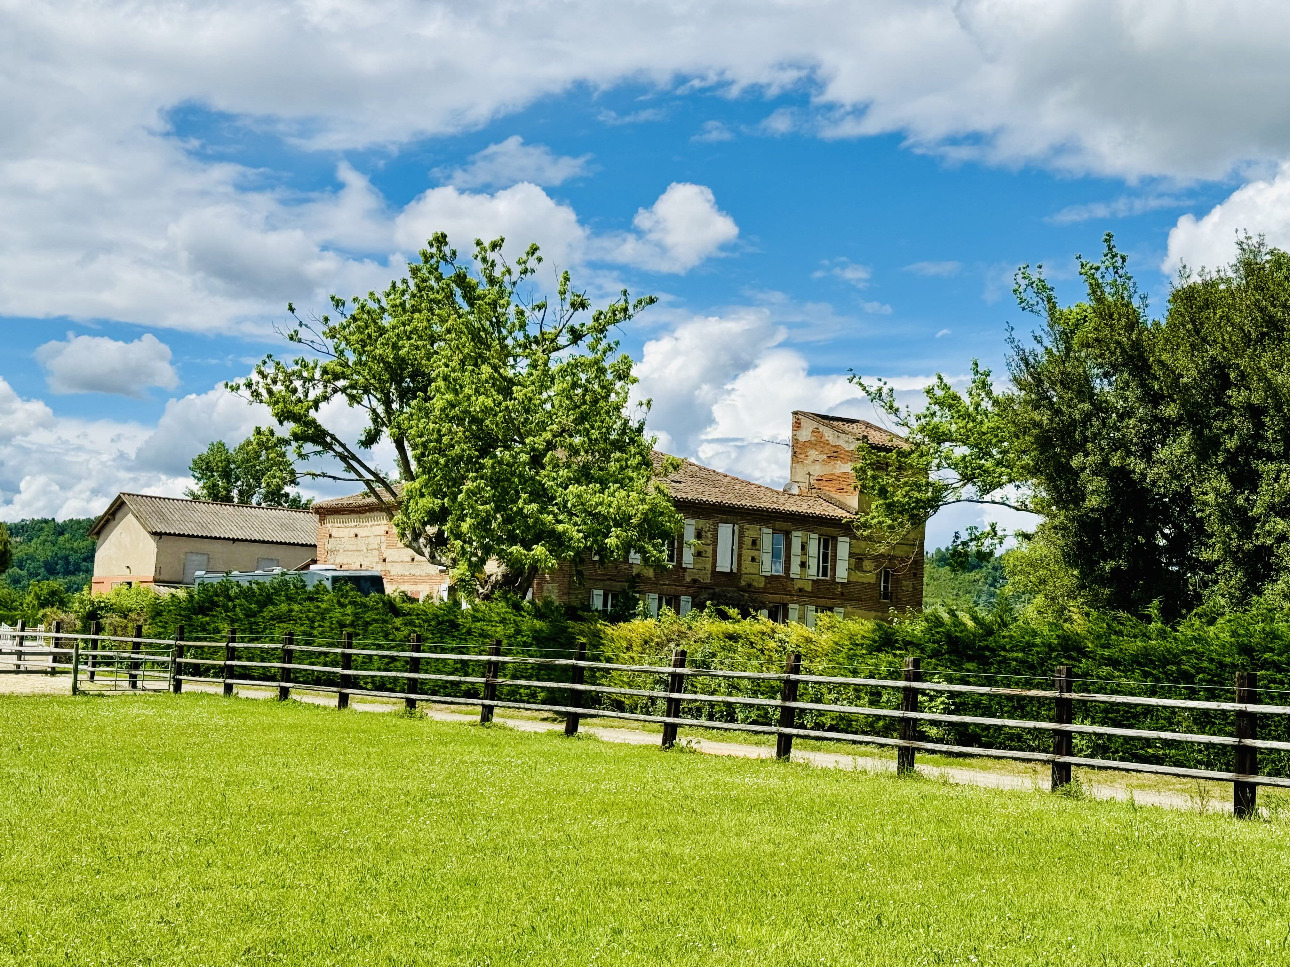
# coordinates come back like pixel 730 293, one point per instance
pixel 230 641
pixel 1247 757
pixel 176 660
pixel 1063 714
pixel 672 707
pixel 491 670
pixel 788 716
pixel 576 676
pixel 55 646
pixel 284 674
pixel 347 642
pixel 135 645
pixel 908 726
pixel 413 685
pixel 18 645
pixel 76 665
pixel 94 646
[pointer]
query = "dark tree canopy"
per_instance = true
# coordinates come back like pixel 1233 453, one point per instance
pixel 506 417
pixel 258 470
pixel 1154 452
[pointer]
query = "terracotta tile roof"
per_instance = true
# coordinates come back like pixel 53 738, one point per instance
pixel 697 484
pixel 360 502
pixel 690 482
pixel 876 435
pixel 203 518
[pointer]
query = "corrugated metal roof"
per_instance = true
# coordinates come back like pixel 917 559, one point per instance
pixel 203 518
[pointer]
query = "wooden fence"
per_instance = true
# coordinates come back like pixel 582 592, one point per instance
pixel 559 685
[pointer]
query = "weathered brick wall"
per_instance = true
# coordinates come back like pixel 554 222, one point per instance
pixel 822 460
pixel 748 587
pixel 369 542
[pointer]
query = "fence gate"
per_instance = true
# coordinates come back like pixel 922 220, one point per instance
pixel 94 662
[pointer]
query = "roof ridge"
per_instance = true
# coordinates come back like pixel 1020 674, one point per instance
pixel 214 503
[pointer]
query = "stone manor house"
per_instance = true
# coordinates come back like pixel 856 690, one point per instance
pixel 788 554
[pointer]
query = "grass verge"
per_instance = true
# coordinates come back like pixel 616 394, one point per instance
pixel 196 830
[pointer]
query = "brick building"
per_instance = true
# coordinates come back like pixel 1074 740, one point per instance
pixel 789 554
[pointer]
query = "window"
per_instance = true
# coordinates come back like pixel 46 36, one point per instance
pixel 266 563
pixel 194 563
pixel 819 556
pixel 670 548
pixel 655 603
pixel 776 553
pixel 777 613
pixel 727 547
pixel 884 584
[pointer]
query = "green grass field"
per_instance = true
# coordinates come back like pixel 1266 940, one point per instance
pixel 196 830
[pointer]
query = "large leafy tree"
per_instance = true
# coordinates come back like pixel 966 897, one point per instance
pixel 6 549
pixel 1155 452
pixel 506 416
pixel 259 470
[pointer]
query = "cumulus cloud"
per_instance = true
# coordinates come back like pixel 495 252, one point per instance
pixel 512 161
pixel 681 229
pixel 714 131
pixel 98 364
pixel 1259 208
pixel 19 416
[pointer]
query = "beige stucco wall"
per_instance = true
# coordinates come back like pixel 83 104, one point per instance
pixel 224 555
pixel 125 552
pixel 368 542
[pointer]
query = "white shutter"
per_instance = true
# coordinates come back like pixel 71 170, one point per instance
pixel 844 555
pixel 687 550
pixel 795 568
pixel 763 613
pixel 764 548
pixel 725 541
pixel 686 604
pixel 840 612
pixel 812 555
pixel 792 612
pixel 633 556
pixel 651 602
pixel 597 600
pixel 734 548
pixel 810 616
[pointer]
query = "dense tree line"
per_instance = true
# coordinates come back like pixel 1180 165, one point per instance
pixel 44 549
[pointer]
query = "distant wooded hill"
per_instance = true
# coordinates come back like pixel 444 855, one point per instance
pixel 51 550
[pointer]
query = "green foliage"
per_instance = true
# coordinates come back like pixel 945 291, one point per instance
pixel 962 582
pixel 508 418
pixel 44 549
pixel 6 549
pixel 1155 452
pixel 258 470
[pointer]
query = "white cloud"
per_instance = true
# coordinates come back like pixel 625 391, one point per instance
pixel 681 229
pixel 714 131
pixel 19 416
pixel 1123 207
pixel 190 423
pixel 98 364
pixel 846 270
pixel 512 161
pixel 523 213
pixel 1259 208
pixel 940 333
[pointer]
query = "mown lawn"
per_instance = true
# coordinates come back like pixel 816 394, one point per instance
pixel 196 830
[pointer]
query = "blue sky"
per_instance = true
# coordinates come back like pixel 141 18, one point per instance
pixel 820 188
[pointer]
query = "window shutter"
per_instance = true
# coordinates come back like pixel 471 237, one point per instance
pixel 764 549
pixel 651 602
pixel 687 551
pixel 810 616
pixel 792 612
pixel 734 548
pixel 763 613
pixel 725 541
pixel 840 612
pixel 812 555
pixel 844 555
pixel 795 562
pixel 634 556
pixel 597 600
pixel 686 604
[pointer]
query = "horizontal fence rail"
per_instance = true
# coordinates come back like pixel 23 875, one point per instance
pixel 578 689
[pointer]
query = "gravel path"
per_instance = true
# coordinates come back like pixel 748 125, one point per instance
pixel 44 684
